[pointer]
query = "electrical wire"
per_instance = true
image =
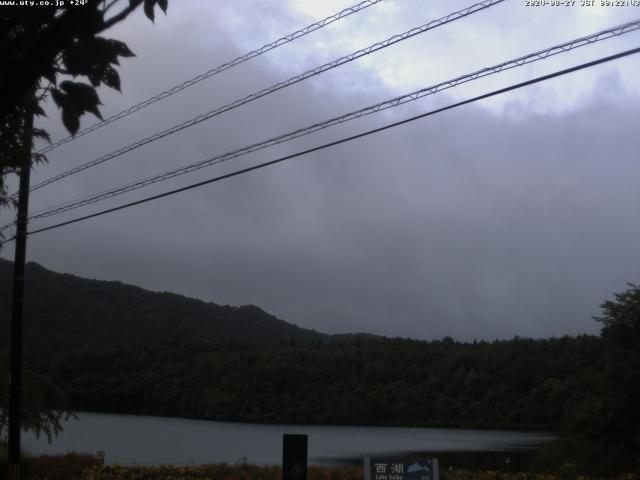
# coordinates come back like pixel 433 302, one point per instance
pixel 343 140
pixel 214 71
pixel 278 86
pixel 391 103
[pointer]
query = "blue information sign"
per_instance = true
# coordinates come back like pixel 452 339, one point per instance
pixel 399 468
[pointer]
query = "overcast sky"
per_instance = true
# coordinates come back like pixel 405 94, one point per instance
pixel 511 216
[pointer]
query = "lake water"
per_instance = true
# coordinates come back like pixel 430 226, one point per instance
pixel 139 440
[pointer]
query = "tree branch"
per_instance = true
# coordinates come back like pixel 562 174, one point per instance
pixel 120 16
pixel 106 7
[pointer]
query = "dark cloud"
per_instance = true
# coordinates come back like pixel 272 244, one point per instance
pixel 469 224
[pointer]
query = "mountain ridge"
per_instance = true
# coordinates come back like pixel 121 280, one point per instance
pixel 67 311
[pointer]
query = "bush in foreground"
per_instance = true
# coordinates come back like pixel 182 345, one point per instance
pixel 71 466
pixel 74 466
pixel 214 472
pixel 251 472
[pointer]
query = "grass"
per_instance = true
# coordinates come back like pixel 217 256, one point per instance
pixel 71 466
pixel 75 466
pixel 252 472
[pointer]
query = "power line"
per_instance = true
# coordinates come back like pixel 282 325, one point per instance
pixel 343 140
pixel 214 71
pixel 278 86
pixel 394 102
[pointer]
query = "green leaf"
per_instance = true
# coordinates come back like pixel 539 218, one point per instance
pixel 43 134
pixel 50 75
pixel 80 93
pixel 94 109
pixel 77 99
pixel 58 97
pixel 38 111
pixel 121 48
pixel 111 78
pixel 95 76
pixel 71 120
pixel 148 9
pixel 91 56
pixel 40 158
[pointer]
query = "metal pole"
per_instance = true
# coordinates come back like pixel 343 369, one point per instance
pixel 15 367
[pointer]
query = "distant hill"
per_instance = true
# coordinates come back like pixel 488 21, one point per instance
pixel 64 311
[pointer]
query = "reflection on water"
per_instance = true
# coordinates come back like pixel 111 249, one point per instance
pixel 131 440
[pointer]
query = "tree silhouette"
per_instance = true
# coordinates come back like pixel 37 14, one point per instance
pixel 42 51
pixel 621 341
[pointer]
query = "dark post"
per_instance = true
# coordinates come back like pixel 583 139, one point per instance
pixel 15 367
pixel 294 457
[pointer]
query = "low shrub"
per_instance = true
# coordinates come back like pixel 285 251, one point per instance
pixel 214 472
pixel 70 466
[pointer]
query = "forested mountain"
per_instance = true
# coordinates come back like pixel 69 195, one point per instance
pixel 109 347
pixel 113 347
pixel 65 311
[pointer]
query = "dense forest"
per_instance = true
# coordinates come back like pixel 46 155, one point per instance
pixel 114 348
pixel 523 384
pixel 584 388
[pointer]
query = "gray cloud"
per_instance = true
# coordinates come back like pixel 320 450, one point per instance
pixel 469 224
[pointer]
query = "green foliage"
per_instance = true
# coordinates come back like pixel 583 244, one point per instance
pixel 117 348
pixel 602 433
pixel 609 430
pixel 70 466
pixel 11 144
pixel 385 382
pixel 216 472
pixel 37 46
pixel 75 99
pixel 85 467
pixel 565 472
pixel 43 407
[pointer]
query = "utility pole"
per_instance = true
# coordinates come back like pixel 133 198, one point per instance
pixel 17 303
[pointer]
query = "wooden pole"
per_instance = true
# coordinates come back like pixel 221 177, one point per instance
pixel 15 366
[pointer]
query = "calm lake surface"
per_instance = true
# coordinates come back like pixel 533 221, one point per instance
pixel 137 440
